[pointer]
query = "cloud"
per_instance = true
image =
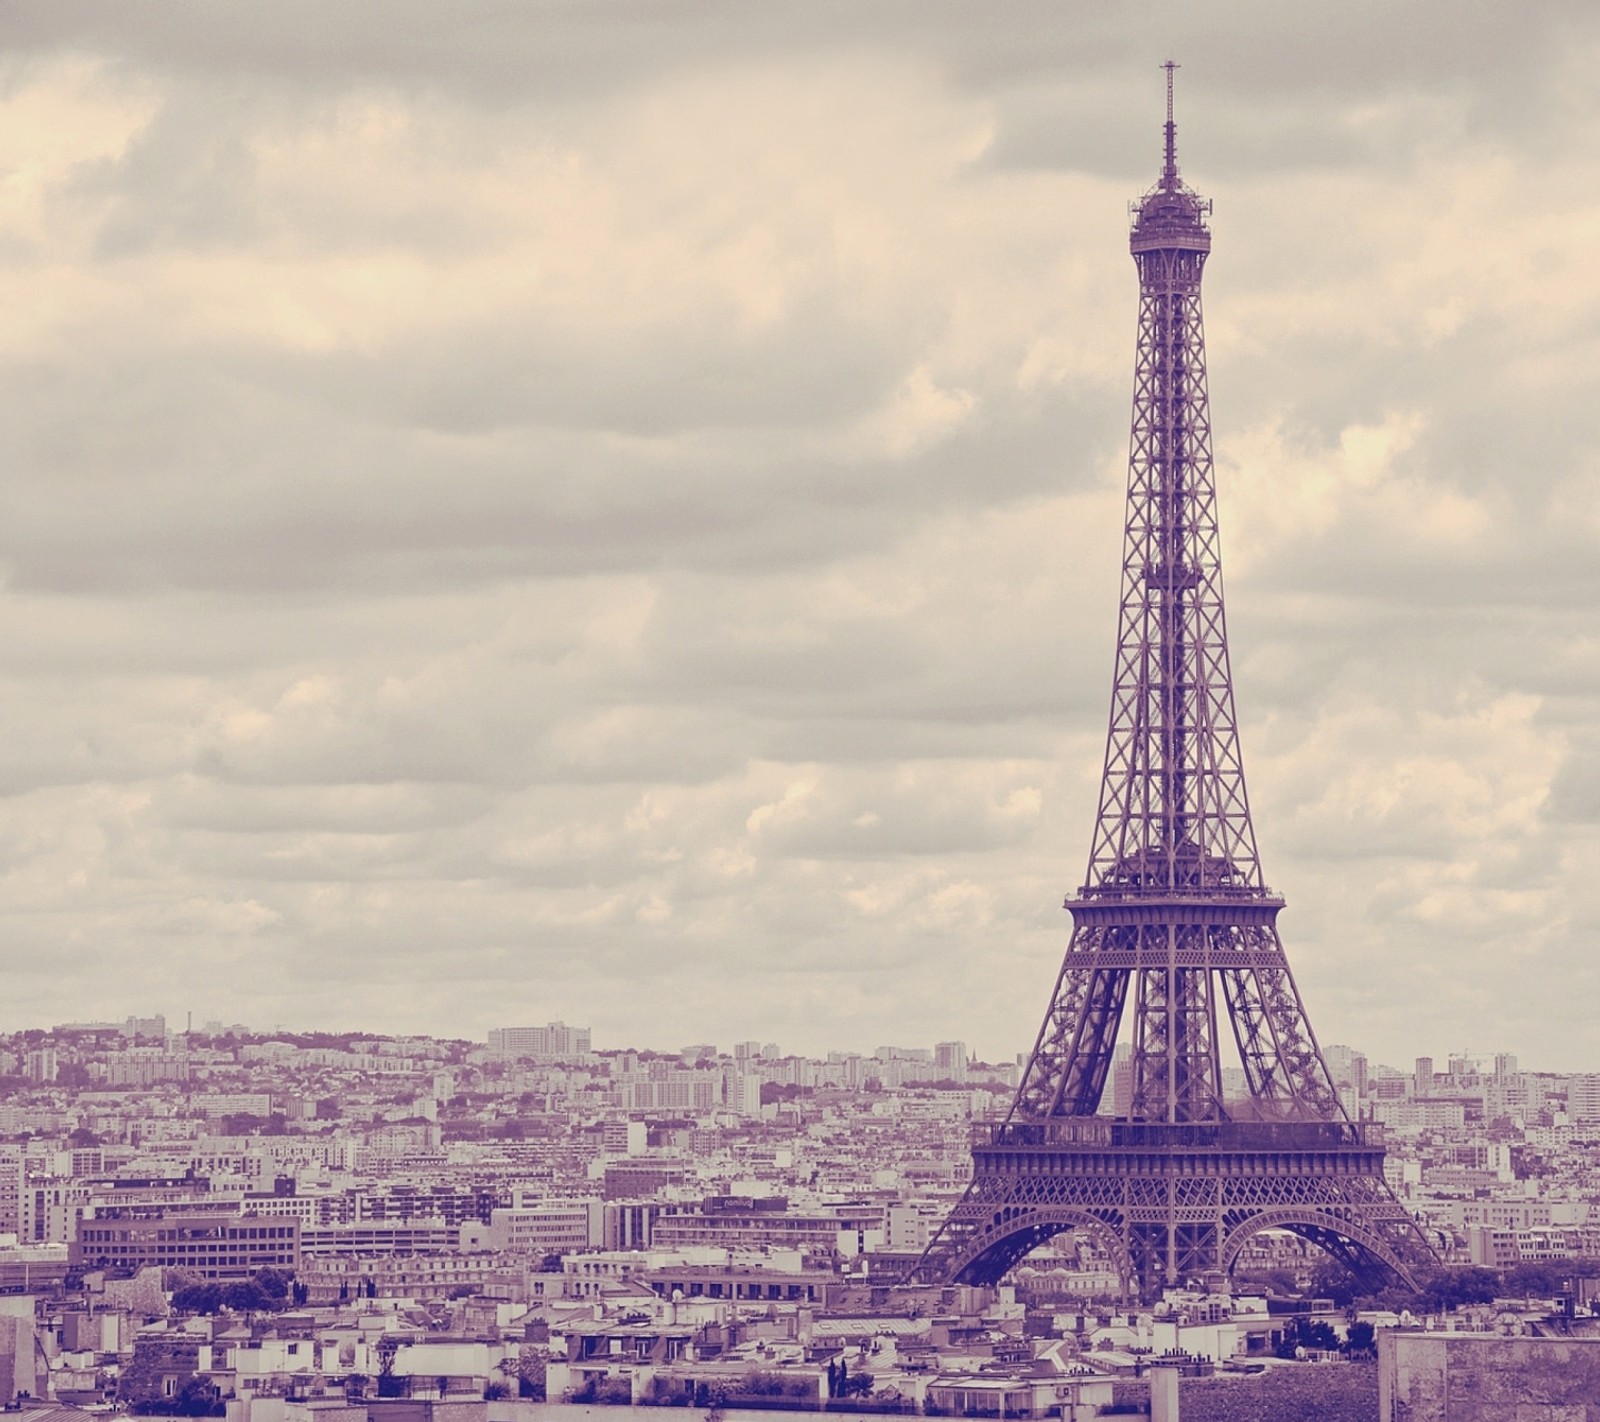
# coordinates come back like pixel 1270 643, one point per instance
pixel 615 513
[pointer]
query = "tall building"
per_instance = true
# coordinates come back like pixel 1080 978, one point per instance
pixel 950 1061
pixel 1122 1080
pixel 1174 927
pixel 1358 1073
pixel 1423 1076
pixel 741 1093
pixel 1583 1099
pixel 1348 1066
pixel 13 1173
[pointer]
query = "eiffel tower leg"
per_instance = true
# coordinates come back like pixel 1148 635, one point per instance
pixel 1354 1219
pixel 1003 1218
pixel 1067 1071
pixel 1090 1061
pixel 1283 1069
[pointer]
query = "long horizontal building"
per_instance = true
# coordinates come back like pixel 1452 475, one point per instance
pixel 213 1246
pixel 736 1222
pixel 739 1282
pixel 335 1281
pixel 556 1040
pixel 368 1239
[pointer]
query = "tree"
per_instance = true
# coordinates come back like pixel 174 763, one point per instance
pixel 1529 1164
pixel 198 1298
pixel 1360 1340
pixel 1309 1334
pixel 1547 1278
pixel 388 1384
pixel 1445 1289
pixel 1278 1282
pixel 196 1398
pixel 531 1374
pixel 1332 1280
pixel 1317 1334
pixel 240 1123
pixel 246 1296
pixel 274 1284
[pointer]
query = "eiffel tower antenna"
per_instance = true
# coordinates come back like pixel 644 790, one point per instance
pixel 1169 171
pixel 1174 927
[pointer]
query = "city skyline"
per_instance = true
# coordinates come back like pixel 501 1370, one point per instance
pixel 484 529
pixel 156 1028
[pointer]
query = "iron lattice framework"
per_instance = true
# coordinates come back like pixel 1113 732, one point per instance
pixel 1174 914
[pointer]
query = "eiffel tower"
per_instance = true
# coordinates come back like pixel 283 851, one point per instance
pixel 1174 923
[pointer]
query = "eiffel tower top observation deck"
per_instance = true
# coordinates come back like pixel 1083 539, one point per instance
pixel 1171 215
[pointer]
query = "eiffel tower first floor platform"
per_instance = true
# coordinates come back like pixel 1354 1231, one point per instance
pixel 1172 1203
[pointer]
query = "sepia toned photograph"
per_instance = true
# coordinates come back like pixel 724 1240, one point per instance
pixel 627 778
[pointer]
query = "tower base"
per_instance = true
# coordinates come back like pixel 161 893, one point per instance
pixel 1171 1203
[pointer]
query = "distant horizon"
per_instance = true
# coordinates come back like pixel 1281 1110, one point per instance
pixel 175 1027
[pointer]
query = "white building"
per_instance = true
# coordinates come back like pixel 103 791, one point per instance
pixel 553 1227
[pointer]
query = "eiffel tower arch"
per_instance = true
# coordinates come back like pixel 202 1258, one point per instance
pixel 1174 929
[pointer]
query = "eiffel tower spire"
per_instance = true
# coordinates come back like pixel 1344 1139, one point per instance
pixel 1174 925
pixel 1169 170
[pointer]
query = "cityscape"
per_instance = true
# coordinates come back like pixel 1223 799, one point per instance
pixel 534 1216
pixel 513 516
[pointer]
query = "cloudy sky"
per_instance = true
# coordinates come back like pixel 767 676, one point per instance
pixel 611 511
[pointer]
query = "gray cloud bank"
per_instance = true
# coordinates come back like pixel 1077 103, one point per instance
pixel 612 511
